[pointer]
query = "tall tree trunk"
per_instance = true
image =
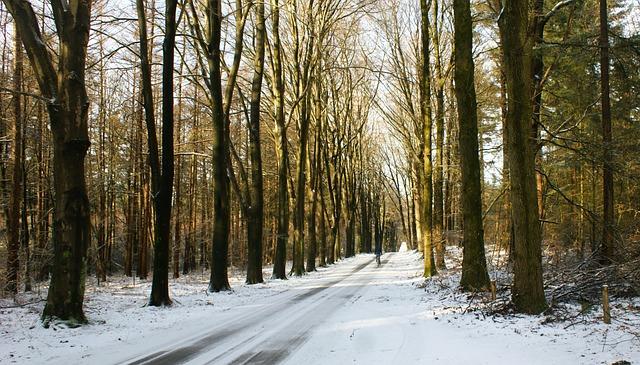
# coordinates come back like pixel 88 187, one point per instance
pixel 101 270
pixel 24 229
pixel 128 248
pixel 510 244
pixel 111 201
pixel 298 221
pixel 378 224
pixel 474 265
pixel 13 221
pixel 425 108
pixel 280 260
pixel 68 106
pixel 350 208
pixel 218 280
pixel 417 200
pixel 335 192
pixel 132 185
pixel 141 205
pixel 438 171
pixel 537 69
pixel 608 224
pixel 582 214
pixel 411 217
pixel 177 223
pixel 451 188
pixel 528 293
pixel 364 244
pixel 311 231
pixel 322 229
pixel 177 219
pixel 42 228
pixel 370 227
pixel 312 191
pixel 164 192
pixel 161 175
pixel 189 242
pixel 255 212
pixel 302 79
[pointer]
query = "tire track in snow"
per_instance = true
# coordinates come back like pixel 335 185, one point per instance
pixel 195 346
pixel 270 351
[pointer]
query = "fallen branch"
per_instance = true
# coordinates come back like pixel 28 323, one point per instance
pixel 22 305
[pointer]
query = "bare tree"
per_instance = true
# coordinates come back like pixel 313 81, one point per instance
pixel 281 145
pixel 15 196
pixel 65 92
pixel 207 38
pixel 426 173
pixel 256 204
pixel 161 175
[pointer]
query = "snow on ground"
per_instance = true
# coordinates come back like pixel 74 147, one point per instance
pixel 392 317
pixel 118 313
pixel 400 320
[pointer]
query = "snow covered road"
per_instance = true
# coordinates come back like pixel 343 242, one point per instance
pixel 268 333
pixel 354 312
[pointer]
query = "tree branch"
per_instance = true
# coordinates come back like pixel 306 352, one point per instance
pixel 39 57
pixel 555 9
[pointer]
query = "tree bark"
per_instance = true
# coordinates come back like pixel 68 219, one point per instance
pixel 528 292
pixel 255 212
pixel 311 231
pixel 425 104
pixel 537 69
pixel 161 175
pixel 312 191
pixel 322 227
pixel 13 221
pixel 510 244
pixel 24 225
pixel 177 218
pixel 42 228
pixel 68 113
pixel 218 280
pixel 101 269
pixel 474 264
pixel 438 171
pixel 298 222
pixel 279 270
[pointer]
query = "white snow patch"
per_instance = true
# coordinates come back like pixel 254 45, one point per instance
pixel 395 318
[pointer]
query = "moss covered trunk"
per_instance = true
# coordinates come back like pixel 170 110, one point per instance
pixel 474 265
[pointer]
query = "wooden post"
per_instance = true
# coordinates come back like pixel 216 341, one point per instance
pixel 493 290
pixel 606 317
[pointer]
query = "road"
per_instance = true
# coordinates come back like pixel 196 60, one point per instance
pixel 271 332
pixel 353 312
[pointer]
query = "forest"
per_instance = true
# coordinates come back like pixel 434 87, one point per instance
pixel 156 139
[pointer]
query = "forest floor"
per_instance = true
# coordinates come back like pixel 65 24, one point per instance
pixel 351 312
